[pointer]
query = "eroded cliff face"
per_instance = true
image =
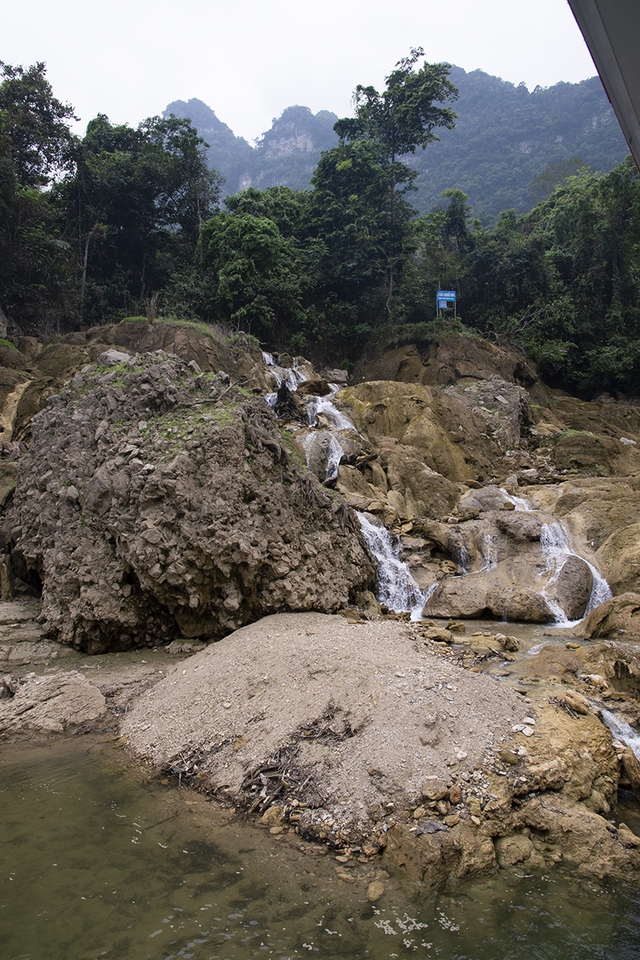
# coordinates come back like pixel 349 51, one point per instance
pixel 156 502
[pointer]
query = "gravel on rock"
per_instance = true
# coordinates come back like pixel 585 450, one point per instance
pixel 341 724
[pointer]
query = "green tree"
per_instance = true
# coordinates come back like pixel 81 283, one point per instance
pixel 257 275
pixel 387 126
pixel 135 205
pixel 36 270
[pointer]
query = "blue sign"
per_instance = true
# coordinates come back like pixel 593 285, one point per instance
pixel 446 295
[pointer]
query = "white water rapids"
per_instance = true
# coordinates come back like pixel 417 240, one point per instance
pixel 622 731
pixel 554 542
pixel 556 548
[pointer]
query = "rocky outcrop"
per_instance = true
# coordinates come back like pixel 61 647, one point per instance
pixel 157 502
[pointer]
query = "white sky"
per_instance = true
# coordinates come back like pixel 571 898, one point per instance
pixel 250 60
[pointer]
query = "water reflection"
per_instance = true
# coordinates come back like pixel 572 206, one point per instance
pixel 99 860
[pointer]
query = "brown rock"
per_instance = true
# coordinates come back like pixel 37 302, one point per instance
pixel 512 850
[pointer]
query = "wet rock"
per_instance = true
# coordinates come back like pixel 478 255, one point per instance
pixel 618 617
pixel 375 890
pixel 512 850
pixel 572 588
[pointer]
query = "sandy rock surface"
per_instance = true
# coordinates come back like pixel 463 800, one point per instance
pixel 59 703
pixel 351 719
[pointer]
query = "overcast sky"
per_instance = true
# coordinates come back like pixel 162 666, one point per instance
pixel 249 60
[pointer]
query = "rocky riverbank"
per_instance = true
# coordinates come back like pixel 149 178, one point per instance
pixel 157 503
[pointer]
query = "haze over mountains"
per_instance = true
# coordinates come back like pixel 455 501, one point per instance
pixel 505 138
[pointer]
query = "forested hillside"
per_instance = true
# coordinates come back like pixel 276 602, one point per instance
pixel 128 221
pixel 508 149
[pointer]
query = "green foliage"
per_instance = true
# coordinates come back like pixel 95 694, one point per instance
pixel 257 274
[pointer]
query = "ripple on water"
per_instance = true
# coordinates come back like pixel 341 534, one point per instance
pixel 99 859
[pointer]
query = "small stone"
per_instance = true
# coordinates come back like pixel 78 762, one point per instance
pixel 572 646
pixel 375 890
pixel 419 813
pixel 576 702
pixel 276 830
pixel 508 756
pixel 528 731
pixel 434 788
pixel 452 819
pixel 475 806
pixel 369 850
pixel 455 794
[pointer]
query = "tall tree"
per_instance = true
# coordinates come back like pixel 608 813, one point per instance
pixel 388 126
pixel 135 204
pixel 36 275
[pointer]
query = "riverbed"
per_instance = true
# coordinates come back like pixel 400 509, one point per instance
pixel 101 858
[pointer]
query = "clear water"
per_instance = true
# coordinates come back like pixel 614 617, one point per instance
pixel 98 859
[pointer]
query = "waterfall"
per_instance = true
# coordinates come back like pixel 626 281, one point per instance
pixel 622 731
pixel 325 406
pixel 292 376
pixel 554 542
pixel 397 589
pixel 489 550
pixel 334 452
pixel 519 503
pixel 334 456
pixel 336 420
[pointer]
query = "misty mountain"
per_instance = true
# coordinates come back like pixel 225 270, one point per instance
pixel 505 138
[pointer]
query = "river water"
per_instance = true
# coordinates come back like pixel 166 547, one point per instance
pixel 100 858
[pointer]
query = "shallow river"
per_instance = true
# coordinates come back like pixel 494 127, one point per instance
pixel 100 859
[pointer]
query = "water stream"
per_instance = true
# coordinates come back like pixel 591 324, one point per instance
pixel 397 589
pixel 622 731
pixel 554 541
pixel 100 859
pixel 335 420
pixel 556 548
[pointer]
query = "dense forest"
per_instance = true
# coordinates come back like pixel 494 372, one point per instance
pixel 128 221
pixel 505 150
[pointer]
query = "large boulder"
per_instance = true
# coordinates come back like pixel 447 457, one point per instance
pixel 618 617
pixel 155 501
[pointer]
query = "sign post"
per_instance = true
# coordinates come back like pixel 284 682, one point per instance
pixel 446 299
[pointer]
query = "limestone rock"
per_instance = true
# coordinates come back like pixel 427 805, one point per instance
pixel 572 587
pixel 618 617
pixel 512 850
pixel 52 704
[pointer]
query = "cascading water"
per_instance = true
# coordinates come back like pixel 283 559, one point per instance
pixel 622 731
pixel 519 503
pixel 334 418
pixel 292 376
pixel 489 550
pixel 324 405
pixel 397 589
pixel 554 542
